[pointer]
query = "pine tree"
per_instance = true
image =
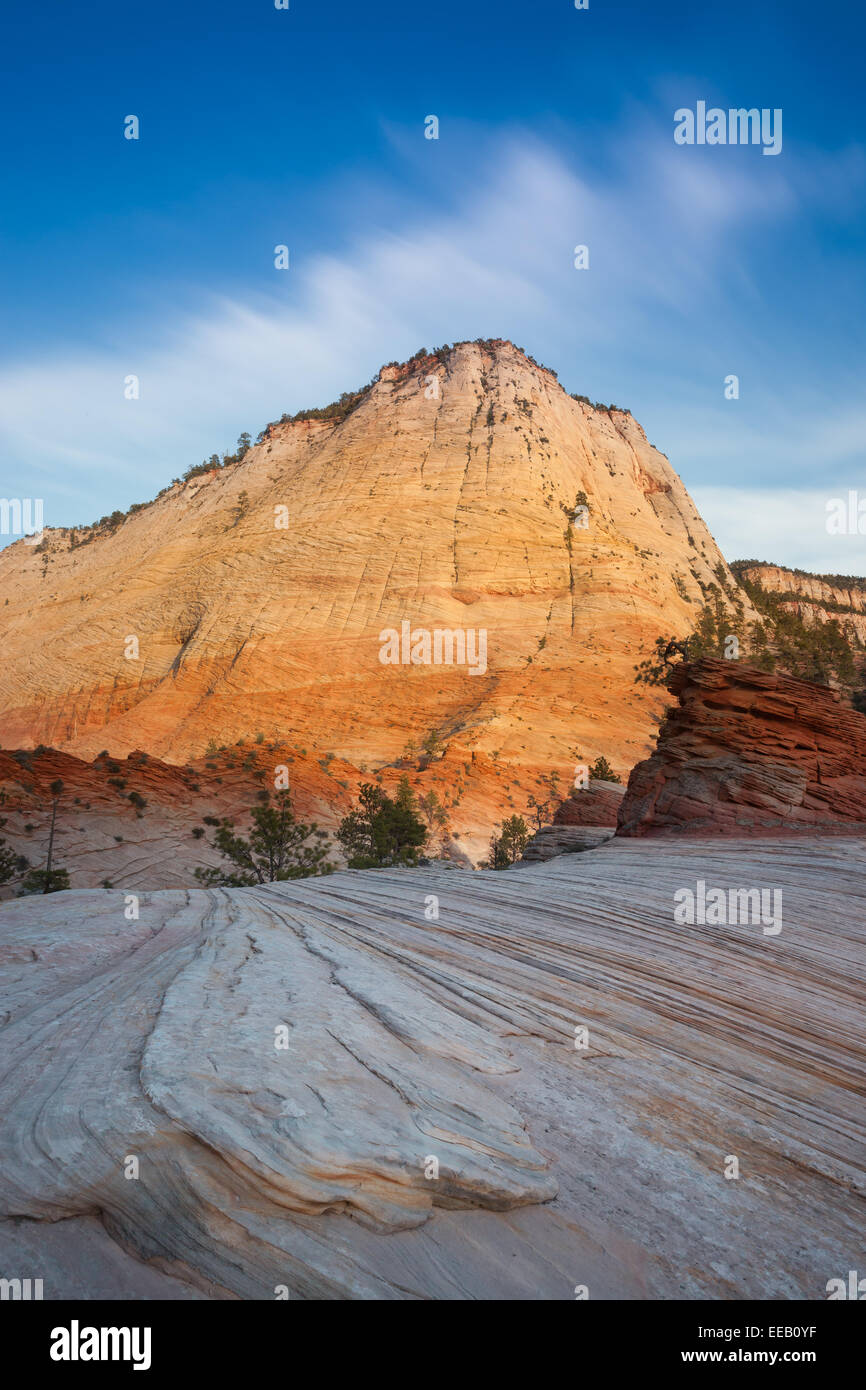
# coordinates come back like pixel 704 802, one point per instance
pixel 508 846
pixel 541 809
pixel 49 879
pixel 383 832
pixel 276 849
pixel 601 771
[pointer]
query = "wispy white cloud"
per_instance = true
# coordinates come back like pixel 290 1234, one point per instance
pixel 499 263
pixel 782 526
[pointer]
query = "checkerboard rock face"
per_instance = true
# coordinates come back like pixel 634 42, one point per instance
pixel 749 751
pixel 447 499
pixel 440 1084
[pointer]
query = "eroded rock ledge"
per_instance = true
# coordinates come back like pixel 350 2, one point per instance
pixel 747 750
pixel 582 821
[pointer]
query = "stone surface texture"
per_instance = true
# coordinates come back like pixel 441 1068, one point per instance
pixel 749 750
pixel 451 510
pixel 597 804
pixel 452 1039
pixel 553 840
pixel 582 821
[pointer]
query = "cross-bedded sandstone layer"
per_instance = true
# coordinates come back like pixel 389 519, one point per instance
pixel 412 1043
pixel 582 821
pixel 748 750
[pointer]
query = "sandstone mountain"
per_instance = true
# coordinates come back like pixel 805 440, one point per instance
pixel 252 599
pixel 812 597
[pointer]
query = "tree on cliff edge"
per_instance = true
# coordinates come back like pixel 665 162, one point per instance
pixel 601 771
pixel 780 640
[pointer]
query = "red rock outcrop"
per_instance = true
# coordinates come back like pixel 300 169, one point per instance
pixel 747 751
pixel 583 821
pixel 138 822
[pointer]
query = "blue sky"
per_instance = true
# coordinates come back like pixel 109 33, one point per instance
pixel 306 127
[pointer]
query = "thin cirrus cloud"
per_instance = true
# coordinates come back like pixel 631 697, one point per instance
pixel 498 262
pixel 759 523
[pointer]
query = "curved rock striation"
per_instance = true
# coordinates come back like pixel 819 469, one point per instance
pixel 749 751
pixel 378 1085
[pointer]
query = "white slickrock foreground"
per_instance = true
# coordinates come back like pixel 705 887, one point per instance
pixel 452 1039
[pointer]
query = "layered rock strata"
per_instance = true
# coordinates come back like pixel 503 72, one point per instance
pixel 813 598
pixel 582 821
pixel 553 840
pixel 328 1092
pixel 749 750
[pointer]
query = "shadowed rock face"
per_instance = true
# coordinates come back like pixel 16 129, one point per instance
pixel 552 840
pixel 583 821
pixel 597 804
pixel 411 1039
pixel 749 750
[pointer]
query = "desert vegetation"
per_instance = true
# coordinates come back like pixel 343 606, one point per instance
pixel 278 847
pixel 12 865
pixel 47 879
pixel 827 653
pixel 383 831
pixel 507 847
